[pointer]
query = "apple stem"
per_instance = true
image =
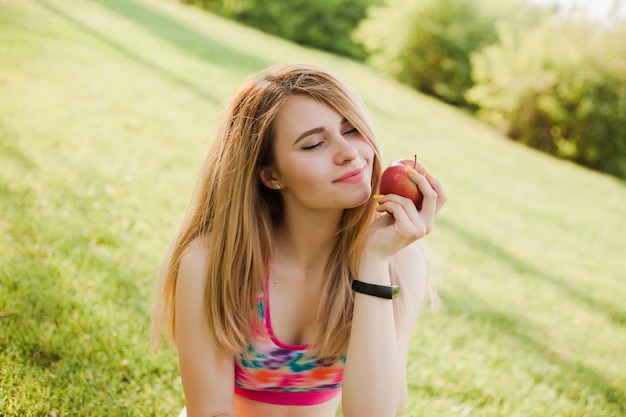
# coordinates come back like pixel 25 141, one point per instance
pixel 415 162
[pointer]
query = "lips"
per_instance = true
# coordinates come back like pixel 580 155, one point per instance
pixel 351 177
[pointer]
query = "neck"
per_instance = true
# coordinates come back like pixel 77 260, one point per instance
pixel 307 238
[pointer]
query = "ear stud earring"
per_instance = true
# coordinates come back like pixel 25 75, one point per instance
pixel 277 186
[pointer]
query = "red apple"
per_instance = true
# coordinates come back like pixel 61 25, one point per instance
pixel 395 180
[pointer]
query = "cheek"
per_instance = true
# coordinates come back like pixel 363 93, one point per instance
pixel 366 150
pixel 307 175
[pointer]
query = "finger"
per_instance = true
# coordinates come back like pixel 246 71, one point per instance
pixel 419 167
pixel 419 178
pixel 397 206
pixel 429 203
pixel 415 216
pixel 435 184
pixel 442 196
pixel 406 217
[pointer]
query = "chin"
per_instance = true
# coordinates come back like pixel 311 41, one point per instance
pixel 359 200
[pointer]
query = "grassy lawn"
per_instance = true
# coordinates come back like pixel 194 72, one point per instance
pixel 106 109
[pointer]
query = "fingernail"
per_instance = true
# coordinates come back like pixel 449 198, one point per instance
pixel 428 175
pixel 377 196
pixel 411 170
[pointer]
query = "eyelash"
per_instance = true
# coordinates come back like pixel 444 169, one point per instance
pixel 308 148
pixel 349 132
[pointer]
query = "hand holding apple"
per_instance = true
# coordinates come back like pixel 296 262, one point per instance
pixel 394 180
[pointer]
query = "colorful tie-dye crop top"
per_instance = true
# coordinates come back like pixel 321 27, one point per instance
pixel 277 373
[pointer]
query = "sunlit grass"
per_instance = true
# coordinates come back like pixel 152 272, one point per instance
pixel 106 110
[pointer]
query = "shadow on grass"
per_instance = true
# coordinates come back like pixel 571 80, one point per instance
pixel 186 39
pixel 479 311
pixel 509 325
pixel 166 28
pixel 489 247
pixel 8 139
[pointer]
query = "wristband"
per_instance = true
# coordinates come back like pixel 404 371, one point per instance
pixel 382 291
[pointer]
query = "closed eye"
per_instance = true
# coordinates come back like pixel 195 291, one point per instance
pixel 351 131
pixel 310 147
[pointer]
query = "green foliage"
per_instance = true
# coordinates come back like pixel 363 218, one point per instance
pixel 324 25
pixel 436 57
pixel 428 45
pixel 383 33
pixel 560 88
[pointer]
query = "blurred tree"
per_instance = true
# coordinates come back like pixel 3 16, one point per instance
pixel 428 44
pixel 560 88
pixel 325 25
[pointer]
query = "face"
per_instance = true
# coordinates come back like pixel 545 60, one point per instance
pixel 321 160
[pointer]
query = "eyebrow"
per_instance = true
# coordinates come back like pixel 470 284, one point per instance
pixel 309 133
pixel 315 130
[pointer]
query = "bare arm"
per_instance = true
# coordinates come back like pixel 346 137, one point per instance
pixel 207 375
pixel 375 374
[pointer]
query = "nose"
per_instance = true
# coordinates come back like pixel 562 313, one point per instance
pixel 345 152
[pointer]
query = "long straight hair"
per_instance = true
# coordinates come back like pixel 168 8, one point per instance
pixel 237 214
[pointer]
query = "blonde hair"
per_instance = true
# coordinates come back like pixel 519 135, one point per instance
pixel 237 214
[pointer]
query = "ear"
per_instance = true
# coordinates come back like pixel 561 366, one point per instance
pixel 269 178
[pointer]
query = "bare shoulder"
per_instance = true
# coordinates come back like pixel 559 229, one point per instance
pixel 194 261
pixel 191 279
pixel 197 250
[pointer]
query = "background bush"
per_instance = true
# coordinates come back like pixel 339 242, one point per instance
pixel 561 88
pixel 428 45
pixel 325 25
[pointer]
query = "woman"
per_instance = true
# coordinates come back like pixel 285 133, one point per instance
pixel 258 288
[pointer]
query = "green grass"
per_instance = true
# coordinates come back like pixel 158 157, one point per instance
pixel 106 108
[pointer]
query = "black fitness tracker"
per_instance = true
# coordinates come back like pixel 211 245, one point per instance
pixel 382 291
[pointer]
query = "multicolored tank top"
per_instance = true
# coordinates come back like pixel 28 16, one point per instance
pixel 273 372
